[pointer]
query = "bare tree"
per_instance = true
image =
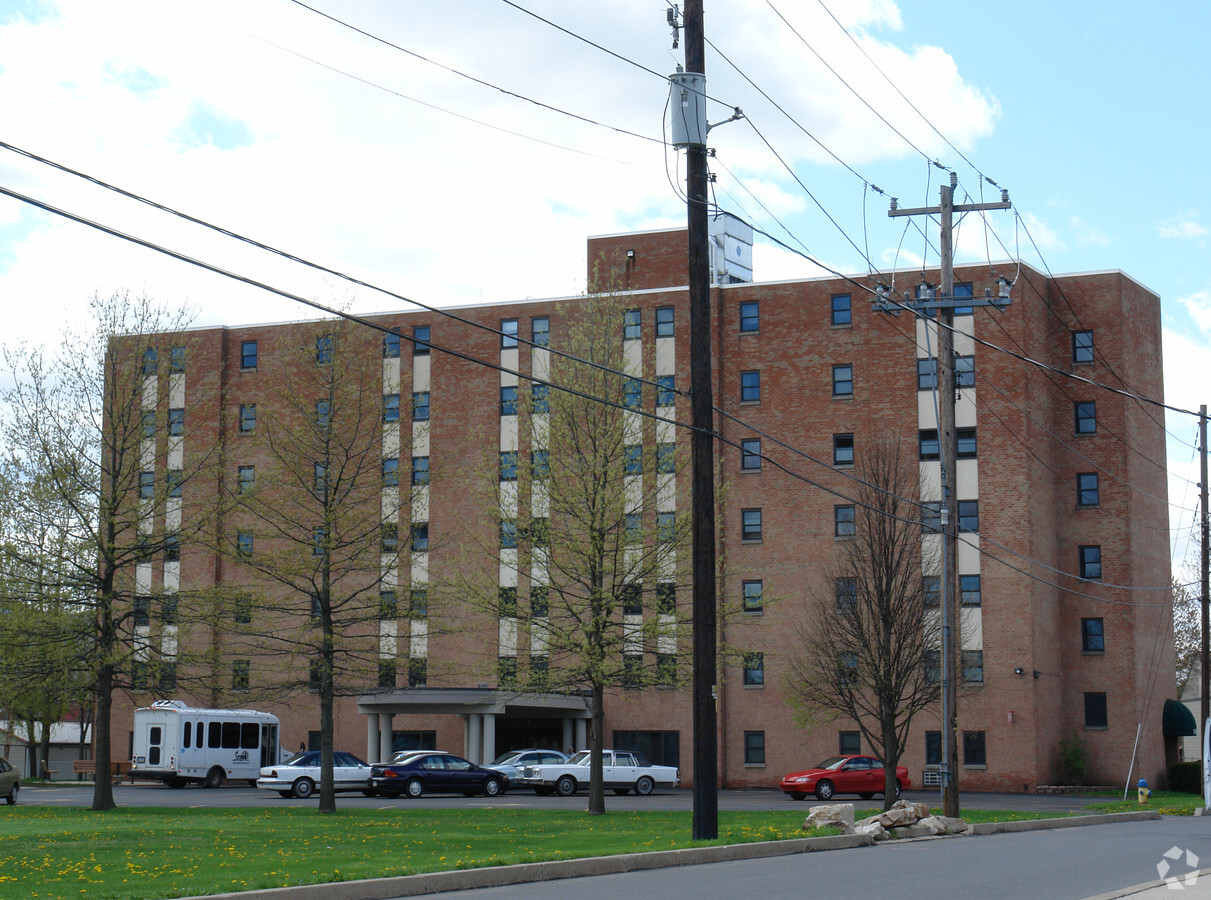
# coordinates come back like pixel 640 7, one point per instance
pixel 591 522
pixel 869 645
pixel 1187 630
pixel 83 426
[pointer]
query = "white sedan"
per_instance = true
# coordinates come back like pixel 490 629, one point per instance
pixel 299 776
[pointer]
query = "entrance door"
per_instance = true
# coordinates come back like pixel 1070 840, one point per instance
pixel 269 745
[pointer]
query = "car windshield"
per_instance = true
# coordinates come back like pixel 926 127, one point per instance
pixel 832 762
pixel 580 759
pixel 299 759
pixel 506 758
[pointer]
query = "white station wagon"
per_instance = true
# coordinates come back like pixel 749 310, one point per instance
pixel 622 771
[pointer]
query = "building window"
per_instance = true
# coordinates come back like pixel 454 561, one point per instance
pixel 1086 416
pixel 631 320
pixel 1093 636
pixel 540 398
pixel 1091 562
pixel 506 602
pixel 932 587
pixel 842 311
pixel 176 422
pixel 321 479
pixel 632 393
pixel 665 393
pixel 632 459
pixel 933 748
pixel 540 532
pixel 965 443
pixel 754 600
pixel 508 334
pixel 631 599
pixel 386 673
pixel 750 525
pixel 843 381
pixel 844 524
pixel 506 671
pixel 418 603
pixel 248 355
pixel 420 471
pixel 540 672
pixel 969 590
pixel 843 449
pixel 664 321
pixel 241 610
pixel 240 674
pixel 750 316
pixel 148 423
pixel 388 605
pixel 1095 710
pixel 754 748
pixel 666 527
pixel 315 677
pixel 1086 489
pixel 962 291
pixel 927 374
pixel 632 528
pixel 420 537
pixel 391 472
pixel 142 611
pixel 151 361
pixel 965 371
pixel 969 516
pixel 540 601
pixel 750 455
pixel 420 406
pixel 418 672
pixel 540 464
pixel 1082 346
pixel 176 482
pixel 847 670
pixel 927 440
pixel 750 387
pixel 666 598
pixel 247 417
pixel 390 407
pixel 932 662
pixel 508 534
pixel 391 344
pixel 973 666
pixel 508 465
pixel 540 331
pixel 754 669
pixel 389 537
pixel 508 400
pixel 973 749
pixel 147 485
pixel 931 516
pixel 845 590
pixel 172 548
pixel 243 544
pixel 319 541
pixel 849 742
pixel 420 340
pixel 666 459
pixel 323 350
pixel 176 360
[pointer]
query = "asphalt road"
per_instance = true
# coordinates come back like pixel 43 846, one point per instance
pixel 233 795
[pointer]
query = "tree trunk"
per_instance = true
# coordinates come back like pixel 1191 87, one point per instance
pixel 597 749
pixel 103 791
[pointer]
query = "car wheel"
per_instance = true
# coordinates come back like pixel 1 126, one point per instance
pixel 566 786
pixel 644 786
pixel 414 788
pixel 824 790
pixel 11 799
pixel 622 791
pixel 866 795
pixel 303 788
pixel 798 796
pixel 543 791
pixel 214 778
pixel 286 794
pixel 492 788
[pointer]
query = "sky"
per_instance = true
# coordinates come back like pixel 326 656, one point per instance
pixel 468 163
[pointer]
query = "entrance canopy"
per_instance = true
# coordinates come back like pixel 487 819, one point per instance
pixel 1177 720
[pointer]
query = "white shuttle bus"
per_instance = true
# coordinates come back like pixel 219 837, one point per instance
pixel 179 744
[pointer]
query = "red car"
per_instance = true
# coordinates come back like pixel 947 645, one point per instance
pixel 861 775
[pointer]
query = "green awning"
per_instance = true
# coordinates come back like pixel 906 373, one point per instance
pixel 1177 720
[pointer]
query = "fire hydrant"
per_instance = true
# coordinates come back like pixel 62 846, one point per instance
pixel 1145 791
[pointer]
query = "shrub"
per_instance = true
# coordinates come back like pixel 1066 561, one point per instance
pixel 1186 777
pixel 1074 760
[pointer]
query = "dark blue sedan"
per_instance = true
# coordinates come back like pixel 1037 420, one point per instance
pixel 437 773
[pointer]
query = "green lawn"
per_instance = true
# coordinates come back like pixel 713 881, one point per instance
pixel 51 852
pixel 1168 803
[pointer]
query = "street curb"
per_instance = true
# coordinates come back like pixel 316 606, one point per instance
pixel 494 876
pixel 1143 815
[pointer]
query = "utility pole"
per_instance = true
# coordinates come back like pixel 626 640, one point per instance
pixel 944 303
pixel 690 114
pixel 1205 660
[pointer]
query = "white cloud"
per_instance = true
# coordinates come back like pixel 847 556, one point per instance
pixel 1181 227
pixel 1198 306
pixel 1042 234
pixel 1086 235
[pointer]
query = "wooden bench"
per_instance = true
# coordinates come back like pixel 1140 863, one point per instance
pixel 84 767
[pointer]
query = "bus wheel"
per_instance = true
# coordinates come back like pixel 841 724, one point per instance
pixel 174 782
pixel 214 778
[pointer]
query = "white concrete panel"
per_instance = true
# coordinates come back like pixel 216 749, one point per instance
pixel 509 432
pixel 965 408
pixel 147 454
pixel 420 503
pixel 389 579
pixel 632 357
pixel 927 409
pixel 172 513
pixel 391 504
pixel 172 576
pixel 540 430
pixel 666 636
pixel 632 557
pixel 969 553
pixel 151 391
pixel 142 643
pixel 666 356
pixel 540 499
pixel 540 363
pixel 666 492
pixel 931 549
pixel 931 480
pixel 927 338
pixel 666 432
pixel 420 438
pixel 632 634
pixel 421 377
pixel 632 428
pixel 508 361
pixel 633 491
pixel 539 566
pixel 391 442
pixel 418 639
pixel 965 344
pixel 391 375
pixel 176 390
pixel 169 642
pixel 967 479
pixel 507 637
pixel 666 565
pixel 508 567
pixel 540 633
pixel 176 452
pixel 147 510
pixel 509 495
pixel 420 568
pixel 971 628
pixel 388 638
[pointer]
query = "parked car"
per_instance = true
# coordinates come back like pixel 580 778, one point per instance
pixel 299 776
pixel 436 773
pixel 10 784
pixel 508 763
pixel 622 771
pixel 851 774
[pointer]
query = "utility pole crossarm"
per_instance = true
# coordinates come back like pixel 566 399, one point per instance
pixel 958 207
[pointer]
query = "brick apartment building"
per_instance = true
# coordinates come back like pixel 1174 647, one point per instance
pixel 1061 487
